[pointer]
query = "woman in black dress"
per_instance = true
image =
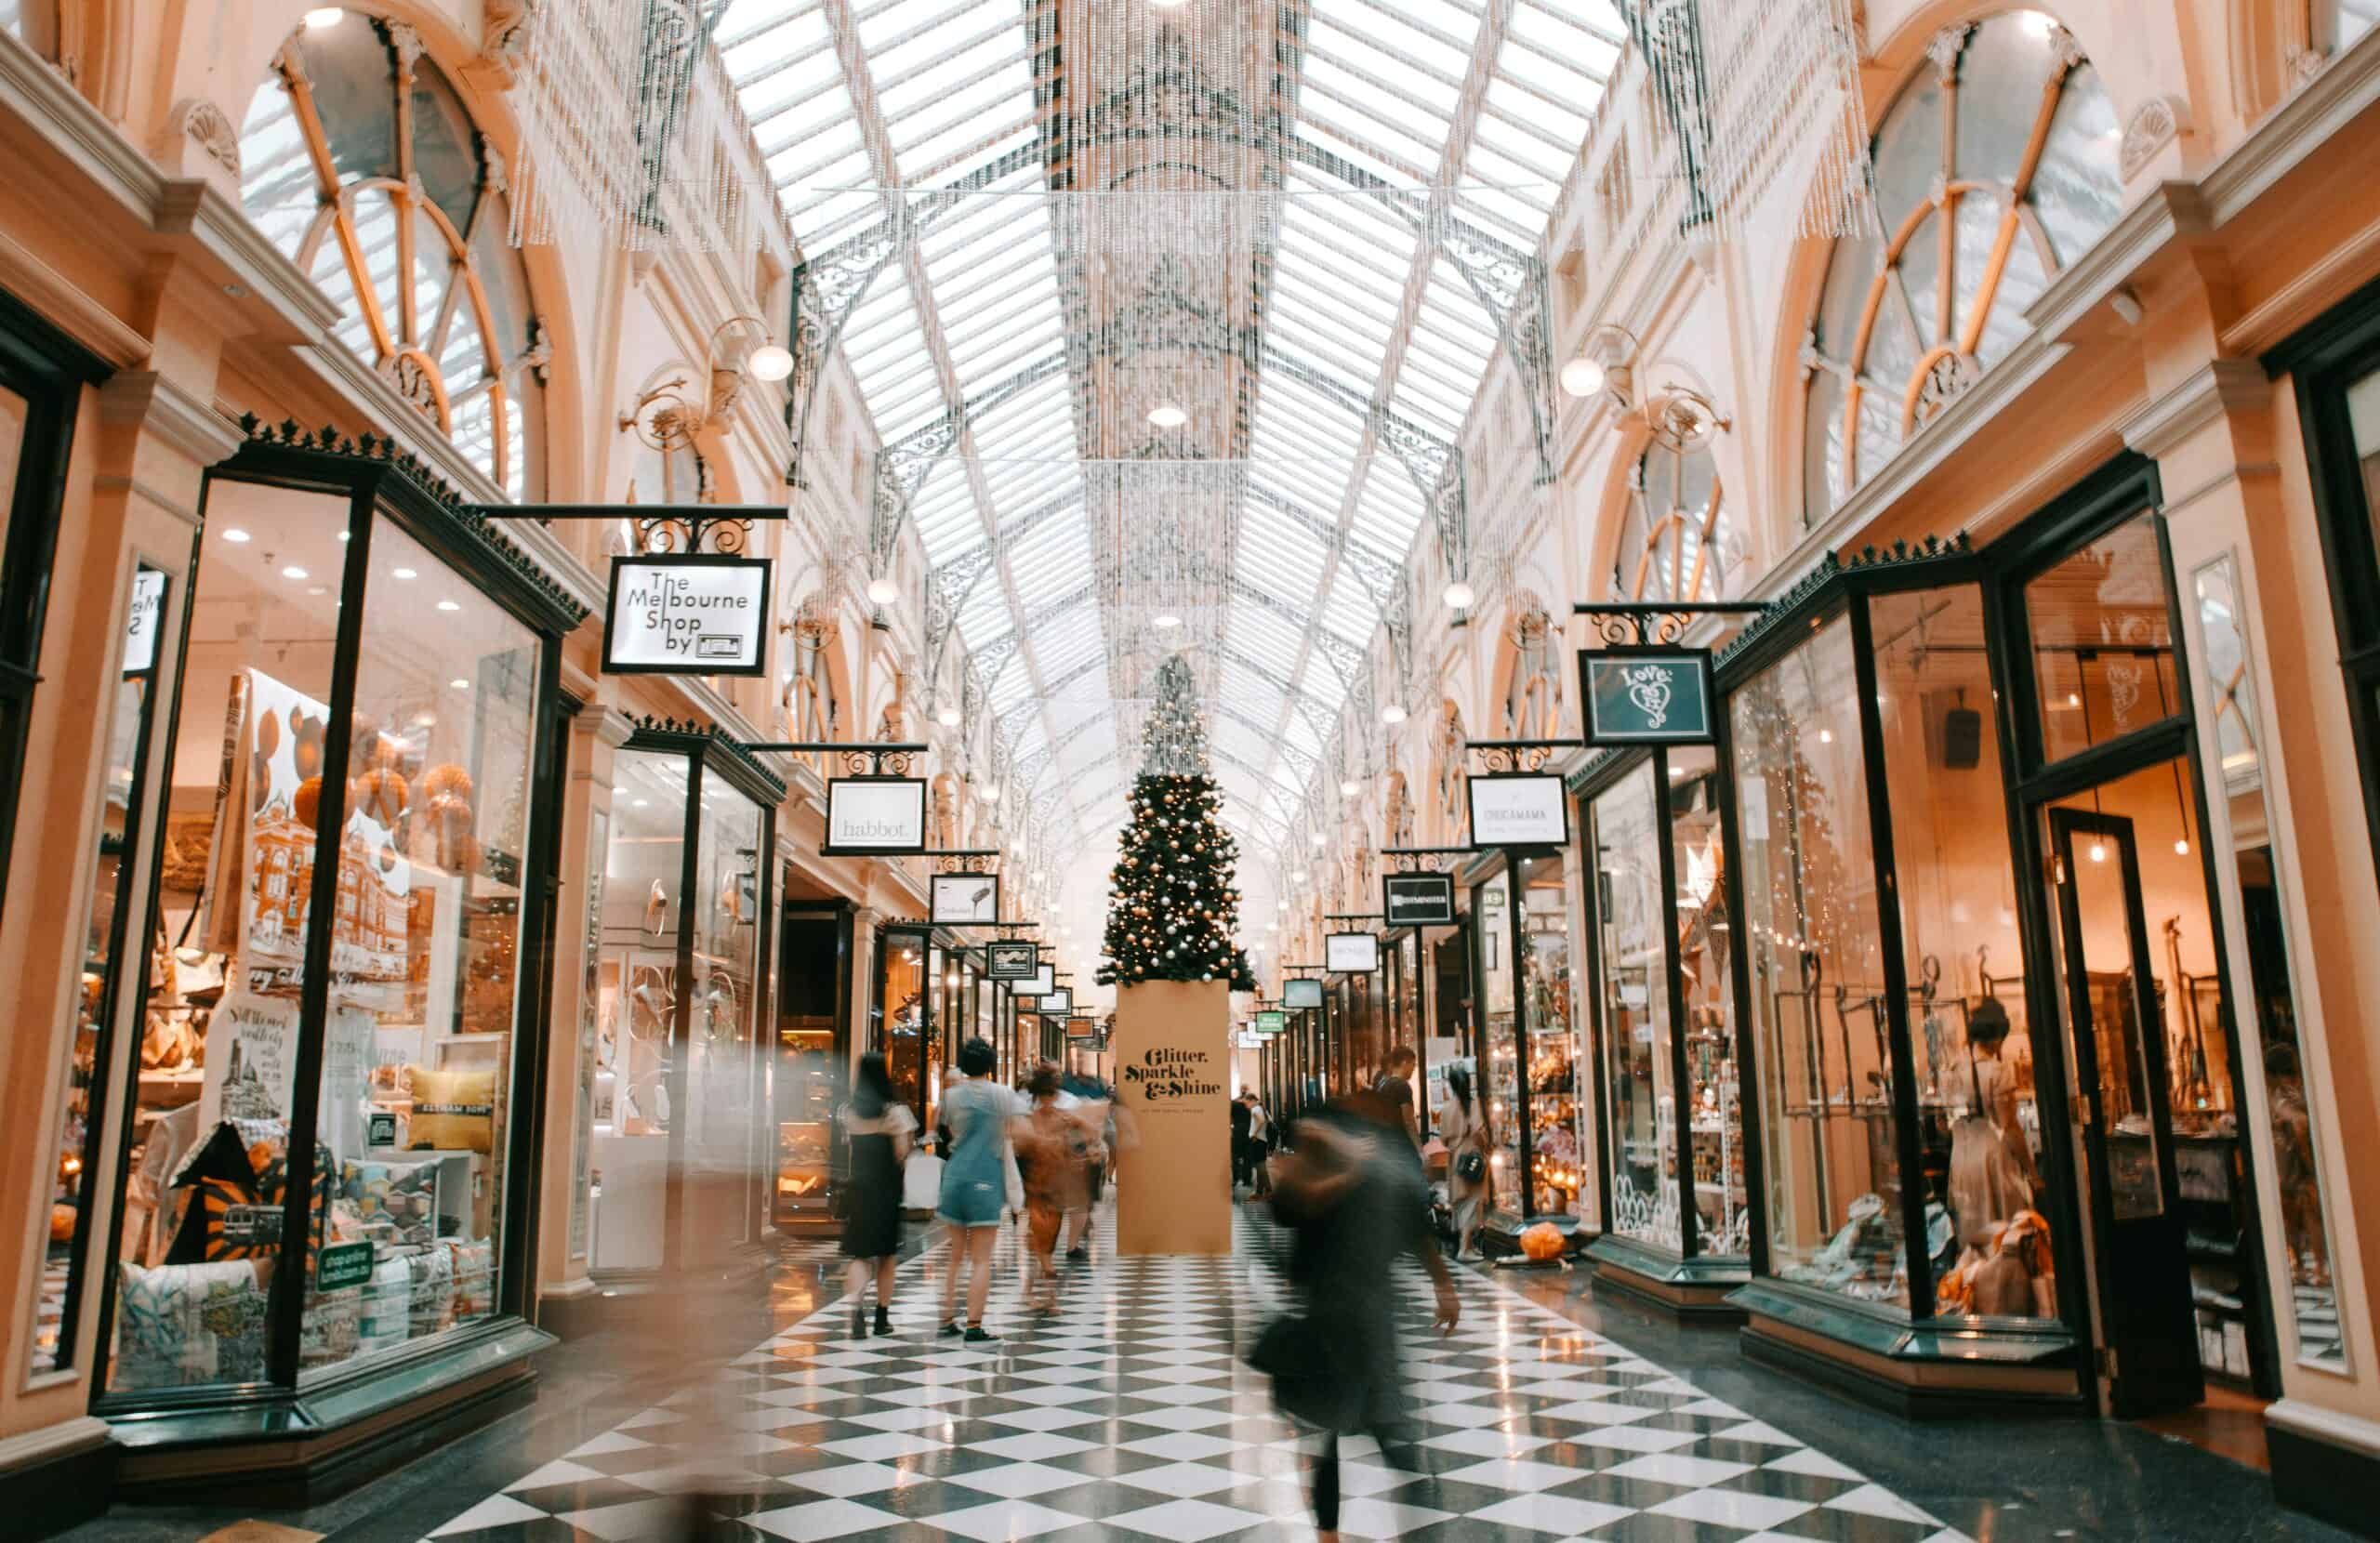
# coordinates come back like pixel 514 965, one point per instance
pixel 879 1126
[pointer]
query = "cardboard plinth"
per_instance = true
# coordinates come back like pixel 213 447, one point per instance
pixel 1172 1058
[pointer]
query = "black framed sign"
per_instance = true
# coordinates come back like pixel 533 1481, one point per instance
pixel 1351 953
pixel 965 900
pixel 687 613
pixel 1012 960
pixel 875 817
pixel 1083 1028
pixel 1520 809
pixel 1059 1002
pixel 1646 696
pixel 1270 1021
pixel 1300 993
pixel 1418 900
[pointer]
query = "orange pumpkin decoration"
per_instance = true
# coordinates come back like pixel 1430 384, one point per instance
pixel 307 803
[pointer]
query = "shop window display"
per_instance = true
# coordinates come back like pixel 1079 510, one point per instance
pixel 1715 1117
pixel 1981 1136
pixel 1490 909
pixel 901 1030
pixel 110 968
pixel 1819 1026
pixel 2103 641
pixel 2268 1032
pixel 1637 1041
pixel 369 1010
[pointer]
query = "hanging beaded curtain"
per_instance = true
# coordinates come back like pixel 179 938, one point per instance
pixel 1742 86
pixel 629 131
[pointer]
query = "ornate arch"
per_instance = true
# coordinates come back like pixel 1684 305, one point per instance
pixel 1996 167
pixel 813 697
pixel 360 160
pixel 1678 540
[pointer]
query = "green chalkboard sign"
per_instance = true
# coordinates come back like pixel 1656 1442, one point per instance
pixel 1646 696
pixel 343 1264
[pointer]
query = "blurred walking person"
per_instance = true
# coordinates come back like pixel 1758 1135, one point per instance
pixel 879 1126
pixel 1259 1146
pixel 1240 1122
pixel 1395 1085
pixel 1469 1138
pixel 975 1181
pixel 1056 1148
pixel 1353 1196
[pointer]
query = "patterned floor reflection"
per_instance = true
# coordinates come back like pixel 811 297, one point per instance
pixel 1130 1415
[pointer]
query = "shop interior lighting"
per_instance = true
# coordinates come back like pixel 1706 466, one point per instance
pixel 236 536
pixel 449 605
pixel 406 572
pixel 460 684
pixel 324 16
pixel 294 572
pixel 1166 619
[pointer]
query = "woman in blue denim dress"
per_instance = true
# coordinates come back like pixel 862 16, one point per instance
pixel 975 1181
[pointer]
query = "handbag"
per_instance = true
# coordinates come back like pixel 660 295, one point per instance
pixel 1472 1167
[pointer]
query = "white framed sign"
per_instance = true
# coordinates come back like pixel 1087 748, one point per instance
pixel 687 613
pixel 1351 953
pixel 1011 959
pixel 1302 991
pixel 1059 1002
pixel 1525 809
pixel 1041 982
pixel 148 616
pixel 875 817
pixel 966 900
pixel 1418 900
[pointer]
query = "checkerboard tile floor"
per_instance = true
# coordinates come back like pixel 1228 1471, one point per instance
pixel 1130 1415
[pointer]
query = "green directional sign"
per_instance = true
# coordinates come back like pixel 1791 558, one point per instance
pixel 1271 1021
pixel 1646 696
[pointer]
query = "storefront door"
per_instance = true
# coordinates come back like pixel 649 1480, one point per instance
pixel 2121 1074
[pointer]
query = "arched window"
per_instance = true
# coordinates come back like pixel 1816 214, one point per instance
pixel 1532 694
pixel 1995 168
pixel 361 164
pixel 1677 541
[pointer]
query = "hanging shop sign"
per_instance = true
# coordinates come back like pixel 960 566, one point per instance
pixel 1351 953
pixel 687 613
pixel 1519 810
pixel 1083 1028
pixel 1302 992
pixel 1270 1021
pixel 1059 1002
pixel 1418 900
pixel 966 900
pixel 140 627
pixel 1251 1040
pixel 1642 696
pixel 1043 980
pixel 1012 961
pixel 875 817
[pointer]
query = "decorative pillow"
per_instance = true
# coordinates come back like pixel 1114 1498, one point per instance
pixel 385 1316
pixel 433 1302
pixel 452 1110
pixel 184 1323
pixel 333 1330
pixel 237 1196
pixel 396 1202
pixel 474 1266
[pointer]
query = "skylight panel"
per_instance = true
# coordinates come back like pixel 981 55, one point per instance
pixel 1348 612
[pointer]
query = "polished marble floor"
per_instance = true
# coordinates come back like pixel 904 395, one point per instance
pixel 1547 1416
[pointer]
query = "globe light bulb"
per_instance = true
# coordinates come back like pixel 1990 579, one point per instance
pixel 1165 415
pixel 1582 377
pixel 947 718
pixel 324 16
pixel 882 591
pixel 1392 714
pixel 1350 788
pixel 771 361
pixel 1460 596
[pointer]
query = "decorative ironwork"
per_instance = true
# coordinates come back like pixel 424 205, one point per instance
pixel 725 530
pixel 879 759
pixel 1424 860
pixel 1654 626
pixel 1519 755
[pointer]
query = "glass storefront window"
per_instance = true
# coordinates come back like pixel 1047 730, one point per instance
pixel 901 1017
pixel 2102 642
pixel 2269 1033
pixel 426 949
pixel 200 1244
pixel 1979 1122
pixel 108 964
pixel 1497 1080
pixel 1639 1047
pixel 643 885
pixel 1820 1024
pixel 1705 934
pixel 723 1051
pixel 1560 1173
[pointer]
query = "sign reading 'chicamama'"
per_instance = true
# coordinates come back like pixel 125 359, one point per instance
pixel 686 614
pixel 1528 810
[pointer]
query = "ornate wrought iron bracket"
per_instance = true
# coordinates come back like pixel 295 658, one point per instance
pixel 1655 625
pixel 1519 755
pixel 666 528
pixel 1425 860
pixel 873 759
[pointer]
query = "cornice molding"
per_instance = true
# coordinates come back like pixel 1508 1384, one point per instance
pixel 2168 212
pixel 2342 91
pixel 163 411
pixel 58 297
pixel 2224 386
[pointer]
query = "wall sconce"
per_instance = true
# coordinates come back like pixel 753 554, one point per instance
pixel 666 418
pixel 1680 416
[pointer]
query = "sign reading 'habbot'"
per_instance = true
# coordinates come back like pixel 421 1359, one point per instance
pixel 686 614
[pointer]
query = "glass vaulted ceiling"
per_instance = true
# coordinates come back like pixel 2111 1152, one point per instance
pixel 858 103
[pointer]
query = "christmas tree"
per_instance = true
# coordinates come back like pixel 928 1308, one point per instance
pixel 1174 893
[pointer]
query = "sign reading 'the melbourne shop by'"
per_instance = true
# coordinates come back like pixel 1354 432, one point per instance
pixel 1645 698
pixel 686 614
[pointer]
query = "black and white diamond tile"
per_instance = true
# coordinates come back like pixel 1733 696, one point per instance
pixel 1130 1413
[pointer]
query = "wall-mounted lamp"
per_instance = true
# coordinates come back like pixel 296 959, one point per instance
pixel 1606 366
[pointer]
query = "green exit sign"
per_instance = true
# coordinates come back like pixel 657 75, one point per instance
pixel 1646 696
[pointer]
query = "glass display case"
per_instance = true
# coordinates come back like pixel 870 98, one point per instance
pixel 813 1057
pixel 323 1149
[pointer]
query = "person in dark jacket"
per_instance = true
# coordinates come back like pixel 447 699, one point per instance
pixel 879 1126
pixel 1239 1126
